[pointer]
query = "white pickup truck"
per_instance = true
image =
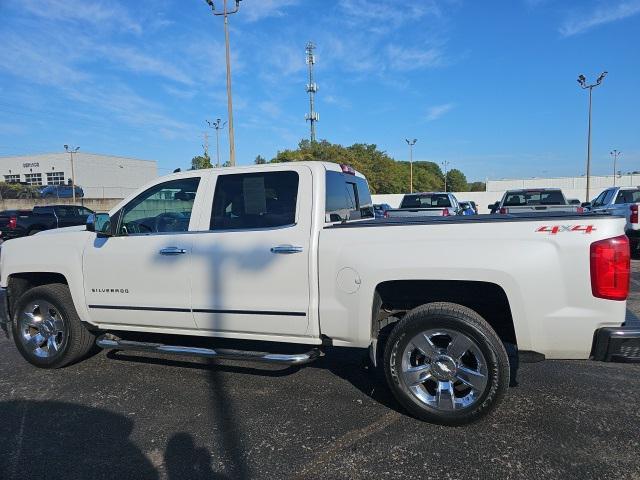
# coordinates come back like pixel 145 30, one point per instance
pixel 426 204
pixel 534 200
pixel 289 254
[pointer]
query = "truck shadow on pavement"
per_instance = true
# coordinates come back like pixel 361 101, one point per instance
pixel 57 440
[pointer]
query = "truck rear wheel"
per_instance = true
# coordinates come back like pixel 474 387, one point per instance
pixel 46 328
pixel 445 364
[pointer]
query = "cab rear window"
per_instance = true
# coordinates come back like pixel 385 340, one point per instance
pixel 347 198
pixel 521 199
pixel 426 201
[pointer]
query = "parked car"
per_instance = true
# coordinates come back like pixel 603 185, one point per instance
pixel 574 201
pixel 623 201
pixel 282 253
pixel 20 223
pixel 60 191
pixel 468 208
pixel 427 204
pixel 379 209
pixel 536 200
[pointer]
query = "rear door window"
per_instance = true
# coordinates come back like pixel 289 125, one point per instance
pixel 255 200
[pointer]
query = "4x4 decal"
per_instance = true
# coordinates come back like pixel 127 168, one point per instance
pixel 554 229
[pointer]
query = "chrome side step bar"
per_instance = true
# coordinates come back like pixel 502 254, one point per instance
pixel 109 341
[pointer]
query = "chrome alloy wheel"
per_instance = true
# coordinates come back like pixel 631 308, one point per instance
pixel 444 369
pixel 42 329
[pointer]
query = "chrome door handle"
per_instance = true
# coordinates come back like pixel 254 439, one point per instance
pixel 286 249
pixel 172 251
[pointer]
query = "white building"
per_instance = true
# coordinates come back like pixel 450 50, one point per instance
pixel 100 176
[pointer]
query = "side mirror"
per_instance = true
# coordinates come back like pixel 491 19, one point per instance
pixel 586 205
pixel 99 222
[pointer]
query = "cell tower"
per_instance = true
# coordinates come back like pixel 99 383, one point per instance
pixel 312 117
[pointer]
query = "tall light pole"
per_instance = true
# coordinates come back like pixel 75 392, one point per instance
pixel 71 151
pixel 218 125
pixel 225 13
pixel 445 164
pixel 582 80
pixel 411 143
pixel 614 154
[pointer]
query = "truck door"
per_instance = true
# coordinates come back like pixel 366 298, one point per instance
pixel 250 267
pixel 140 277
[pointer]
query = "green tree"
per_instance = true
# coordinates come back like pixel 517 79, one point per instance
pixel 456 181
pixel 201 161
pixel 385 175
pixel 260 160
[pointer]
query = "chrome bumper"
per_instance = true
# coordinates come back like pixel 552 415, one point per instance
pixel 4 312
pixel 621 344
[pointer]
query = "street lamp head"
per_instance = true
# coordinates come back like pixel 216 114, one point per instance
pixel 210 3
pixel 582 80
pixel 66 147
pixel 601 77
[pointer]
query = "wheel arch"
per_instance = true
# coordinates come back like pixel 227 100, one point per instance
pixel 19 283
pixel 392 299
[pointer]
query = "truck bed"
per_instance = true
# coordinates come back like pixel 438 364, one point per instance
pixel 458 219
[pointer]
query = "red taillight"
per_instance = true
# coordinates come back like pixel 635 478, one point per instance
pixel 386 214
pixel 445 212
pixel 580 210
pixel 610 268
pixel 13 223
pixel 504 210
pixel 634 214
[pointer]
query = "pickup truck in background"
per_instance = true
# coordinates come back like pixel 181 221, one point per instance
pixel 21 223
pixel 426 204
pixel 534 201
pixel 289 257
pixel 623 201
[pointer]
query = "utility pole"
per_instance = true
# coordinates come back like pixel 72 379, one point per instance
pixel 312 117
pixel 71 151
pixel 225 13
pixel 411 143
pixel 614 154
pixel 582 80
pixel 445 164
pixel 218 125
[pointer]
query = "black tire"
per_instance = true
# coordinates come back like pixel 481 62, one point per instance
pixel 456 319
pixel 75 340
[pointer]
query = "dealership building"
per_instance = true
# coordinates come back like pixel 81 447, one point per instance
pixel 100 176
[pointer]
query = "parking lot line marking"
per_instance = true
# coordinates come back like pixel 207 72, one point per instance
pixel 341 444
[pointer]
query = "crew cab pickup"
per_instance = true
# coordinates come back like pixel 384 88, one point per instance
pixel 623 201
pixel 426 204
pixel 289 257
pixel 535 201
pixel 20 223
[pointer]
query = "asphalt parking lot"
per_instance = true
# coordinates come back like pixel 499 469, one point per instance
pixel 154 417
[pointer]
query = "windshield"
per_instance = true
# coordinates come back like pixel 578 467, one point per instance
pixel 427 200
pixel 531 197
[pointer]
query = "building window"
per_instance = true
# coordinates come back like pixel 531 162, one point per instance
pixel 33 178
pixel 55 178
pixel 12 178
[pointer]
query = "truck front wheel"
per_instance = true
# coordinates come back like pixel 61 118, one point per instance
pixel 445 364
pixel 46 327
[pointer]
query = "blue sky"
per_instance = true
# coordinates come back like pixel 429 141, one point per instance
pixel 489 86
